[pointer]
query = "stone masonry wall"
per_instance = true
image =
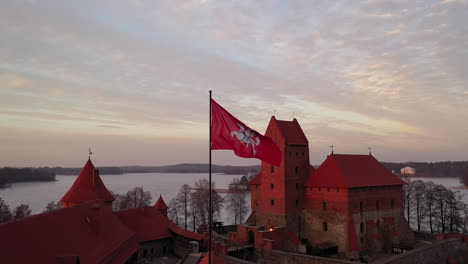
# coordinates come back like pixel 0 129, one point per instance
pixel 430 254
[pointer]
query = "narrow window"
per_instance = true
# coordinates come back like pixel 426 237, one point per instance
pixel 361 206
pixel 362 227
pixel 328 189
pixel 325 226
pixel 290 153
pixel 377 205
pixel 392 204
pixel 272 186
pixel 296 170
pixel 272 202
pixel 324 206
pixel 272 169
pixel 297 153
pixel 362 240
pixel 297 203
pixel 145 253
pixel 297 186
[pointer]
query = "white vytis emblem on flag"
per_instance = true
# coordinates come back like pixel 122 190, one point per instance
pixel 247 137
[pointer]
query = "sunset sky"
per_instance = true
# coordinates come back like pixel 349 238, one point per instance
pixel 130 79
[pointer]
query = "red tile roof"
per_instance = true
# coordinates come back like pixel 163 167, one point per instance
pixel 88 186
pixel 160 204
pixel 348 171
pixel 147 222
pixel 184 232
pixel 89 231
pixel 291 131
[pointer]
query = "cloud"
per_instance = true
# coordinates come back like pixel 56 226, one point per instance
pixel 146 67
pixel 393 32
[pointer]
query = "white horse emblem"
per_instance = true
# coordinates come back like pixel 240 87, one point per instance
pixel 247 137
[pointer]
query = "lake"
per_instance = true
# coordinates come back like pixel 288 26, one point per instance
pixel 38 194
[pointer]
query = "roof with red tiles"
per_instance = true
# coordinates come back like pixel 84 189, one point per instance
pixel 147 222
pixel 350 171
pixel 88 186
pixel 291 131
pixel 160 204
pixel 184 232
pixel 89 231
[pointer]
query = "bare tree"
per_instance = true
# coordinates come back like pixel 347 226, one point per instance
pixel 201 200
pixel 21 211
pixel 429 204
pixel 5 213
pixel 136 197
pixel 408 189
pixel 183 200
pixel 172 211
pixel 52 206
pixel 236 200
pixel 419 189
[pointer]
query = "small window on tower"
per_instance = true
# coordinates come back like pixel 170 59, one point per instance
pixel 296 170
pixel 325 226
pixel 297 153
pixel 361 207
pixel 297 186
pixel 324 206
pixel 392 204
pixel 297 203
pixel 361 227
pixel 272 169
pixel 272 186
pixel 272 202
pixel 377 205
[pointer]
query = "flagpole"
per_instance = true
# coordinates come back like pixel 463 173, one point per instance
pixel 210 215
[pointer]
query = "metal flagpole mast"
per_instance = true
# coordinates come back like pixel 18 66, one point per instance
pixel 210 215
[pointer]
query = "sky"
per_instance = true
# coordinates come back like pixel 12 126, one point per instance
pixel 130 79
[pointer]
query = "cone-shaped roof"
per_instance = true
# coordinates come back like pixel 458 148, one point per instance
pixel 88 186
pixel 160 204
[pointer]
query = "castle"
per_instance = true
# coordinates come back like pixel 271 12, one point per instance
pixel 349 204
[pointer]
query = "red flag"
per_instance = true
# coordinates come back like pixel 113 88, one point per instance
pixel 230 133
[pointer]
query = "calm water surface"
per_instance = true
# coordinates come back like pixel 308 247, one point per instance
pixel 38 194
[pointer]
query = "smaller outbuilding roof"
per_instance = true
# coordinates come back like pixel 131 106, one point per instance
pixel 351 171
pixel 147 222
pixel 160 204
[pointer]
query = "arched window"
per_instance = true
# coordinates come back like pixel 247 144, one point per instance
pixel 325 226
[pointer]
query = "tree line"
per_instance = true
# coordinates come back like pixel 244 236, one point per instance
pixel 435 208
pixel 11 175
pixel 456 169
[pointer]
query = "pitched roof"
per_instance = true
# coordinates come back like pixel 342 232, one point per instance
pixel 160 204
pixel 349 171
pixel 88 186
pixel 184 232
pixel 89 231
pixel 147 222
pixel 291 131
